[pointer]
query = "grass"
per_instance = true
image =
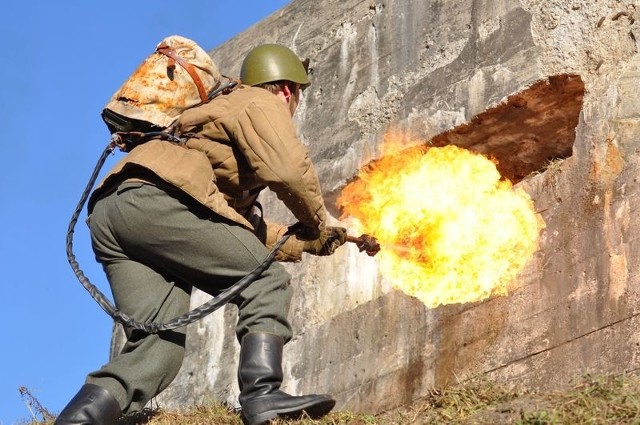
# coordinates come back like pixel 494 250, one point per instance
pixel 590 400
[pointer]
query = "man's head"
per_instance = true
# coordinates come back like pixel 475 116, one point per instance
pixel 277 69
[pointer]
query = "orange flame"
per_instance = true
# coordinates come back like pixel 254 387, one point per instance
pixel 451 230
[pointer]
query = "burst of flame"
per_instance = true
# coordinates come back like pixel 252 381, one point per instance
pixel 451 229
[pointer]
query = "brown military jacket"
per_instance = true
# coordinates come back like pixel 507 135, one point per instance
pixel 238 144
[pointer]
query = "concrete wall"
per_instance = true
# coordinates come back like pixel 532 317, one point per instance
pixel 436 69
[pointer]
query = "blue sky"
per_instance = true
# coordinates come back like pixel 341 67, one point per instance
pixel 61 62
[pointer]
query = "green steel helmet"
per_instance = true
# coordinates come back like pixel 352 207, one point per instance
pixel 272 62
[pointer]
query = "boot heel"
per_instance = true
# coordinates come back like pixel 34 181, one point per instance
pixel 259 419
pixel 92 405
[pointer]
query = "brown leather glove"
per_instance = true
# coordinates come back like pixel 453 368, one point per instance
pixel 330 239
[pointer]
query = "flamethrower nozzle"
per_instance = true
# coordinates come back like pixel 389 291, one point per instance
pixel 365 243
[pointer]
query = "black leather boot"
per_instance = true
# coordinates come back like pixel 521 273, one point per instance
pixel 93 405
pixel 260 377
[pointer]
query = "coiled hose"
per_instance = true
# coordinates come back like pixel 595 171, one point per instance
pixel 151 328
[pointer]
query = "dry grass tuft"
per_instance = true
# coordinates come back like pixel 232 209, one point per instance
pixel 591 399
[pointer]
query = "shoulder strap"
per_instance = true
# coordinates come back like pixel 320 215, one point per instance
pixel 174 57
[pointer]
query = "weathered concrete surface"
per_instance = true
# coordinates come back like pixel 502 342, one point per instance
pixel 464 72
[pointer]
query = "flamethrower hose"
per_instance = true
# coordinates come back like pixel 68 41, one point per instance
pixel 154 327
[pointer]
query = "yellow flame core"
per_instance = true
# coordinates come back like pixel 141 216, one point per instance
pixel 451 230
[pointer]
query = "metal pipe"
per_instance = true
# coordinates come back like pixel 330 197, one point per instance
pixel 365 243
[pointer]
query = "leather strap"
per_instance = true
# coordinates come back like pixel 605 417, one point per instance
pixel 175 57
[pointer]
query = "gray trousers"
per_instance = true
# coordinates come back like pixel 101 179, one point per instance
pixel 155 245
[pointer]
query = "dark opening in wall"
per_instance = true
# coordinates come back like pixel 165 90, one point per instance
pixel 524 133
pixel 527 131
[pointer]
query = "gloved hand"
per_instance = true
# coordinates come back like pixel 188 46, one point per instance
pixel 330 239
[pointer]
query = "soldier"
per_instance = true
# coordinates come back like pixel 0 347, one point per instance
pixel 169 217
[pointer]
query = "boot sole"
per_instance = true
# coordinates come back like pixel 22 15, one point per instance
pixel 314 410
